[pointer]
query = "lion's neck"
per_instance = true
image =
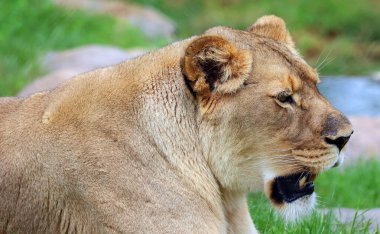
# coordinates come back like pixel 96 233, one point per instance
pixel 169 120
pixel 237 213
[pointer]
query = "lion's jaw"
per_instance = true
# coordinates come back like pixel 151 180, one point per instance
pixel 244 160
pixel 243 163
pixel 246 171
pixel 295 208
pixel 292 193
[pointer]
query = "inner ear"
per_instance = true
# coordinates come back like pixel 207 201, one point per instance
pixel 213 64
pixel 272 27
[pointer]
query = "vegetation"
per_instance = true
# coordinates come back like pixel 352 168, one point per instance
pixel 354 187
pixel 30 28
pixel 337 36
pixel 344 36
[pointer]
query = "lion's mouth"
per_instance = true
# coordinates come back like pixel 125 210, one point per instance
pixel 292 187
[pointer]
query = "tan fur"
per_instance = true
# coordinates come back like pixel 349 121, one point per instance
pixel 134 149
pixel 272 27
pixel 234 66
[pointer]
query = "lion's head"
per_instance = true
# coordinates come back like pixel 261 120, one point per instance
pixel 263 123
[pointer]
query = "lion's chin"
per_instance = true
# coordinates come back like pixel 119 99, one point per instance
pixel 298 209
pixel 292 195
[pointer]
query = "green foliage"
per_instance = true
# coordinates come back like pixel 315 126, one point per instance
pixel 356 187
pixel 29 28
pixel 339 17
pixel 268 221
pixel 343 35
pixel 346 32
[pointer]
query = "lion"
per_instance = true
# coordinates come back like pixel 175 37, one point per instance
pixel 172 141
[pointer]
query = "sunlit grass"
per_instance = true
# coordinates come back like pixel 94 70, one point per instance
pixel 30 28
pixel 347 34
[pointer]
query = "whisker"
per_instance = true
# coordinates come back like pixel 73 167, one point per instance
pixel 326 63
pixel 318 67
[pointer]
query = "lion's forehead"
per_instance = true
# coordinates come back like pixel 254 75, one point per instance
pixel 273 51
pixel 287 58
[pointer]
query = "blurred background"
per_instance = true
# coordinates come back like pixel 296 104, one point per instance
pixel 44 42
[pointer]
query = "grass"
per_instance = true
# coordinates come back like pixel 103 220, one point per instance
pixel 344 37
pixel 354 187
pixel 347 34
pixel 30 28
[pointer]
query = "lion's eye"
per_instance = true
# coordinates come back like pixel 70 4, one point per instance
pixel 285 97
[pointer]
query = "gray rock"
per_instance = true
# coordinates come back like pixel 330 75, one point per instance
pixel 376 76
pixel 87 58
pixel 365 142
pixel 67 64
pixel 49 81
pixel 151 22
pixel 346 216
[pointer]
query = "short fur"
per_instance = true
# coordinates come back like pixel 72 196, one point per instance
pixel 169 142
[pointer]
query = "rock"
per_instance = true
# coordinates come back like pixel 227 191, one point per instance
pixel 87 58
pixel 49 81
pixel 376 76
pixel 365 142
pixel 151 22
pixel 346 216
pixel 67 64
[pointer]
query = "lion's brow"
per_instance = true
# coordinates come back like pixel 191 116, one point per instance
pixel 303 71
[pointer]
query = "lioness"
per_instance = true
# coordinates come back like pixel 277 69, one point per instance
pixel 171 142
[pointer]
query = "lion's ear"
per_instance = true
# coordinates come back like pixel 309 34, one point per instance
pixel 212 64
pixel 272 27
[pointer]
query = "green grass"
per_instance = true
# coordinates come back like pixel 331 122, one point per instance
pixel 347 33
pixel 356 186
pixel 30 28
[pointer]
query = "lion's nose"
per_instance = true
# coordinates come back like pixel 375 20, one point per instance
pixel 339 142
pixel 338 130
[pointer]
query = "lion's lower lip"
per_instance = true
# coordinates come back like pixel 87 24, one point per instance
pixel 292 187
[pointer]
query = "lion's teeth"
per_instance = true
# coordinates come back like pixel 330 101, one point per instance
pixel 302 182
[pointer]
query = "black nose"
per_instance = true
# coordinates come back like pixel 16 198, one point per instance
pixel 339 142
